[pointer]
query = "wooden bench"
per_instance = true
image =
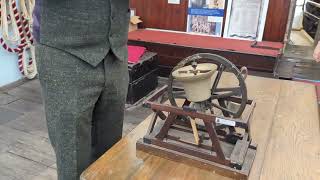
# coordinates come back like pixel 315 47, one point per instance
pixel 172 47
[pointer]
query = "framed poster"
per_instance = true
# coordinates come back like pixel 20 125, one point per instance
pixel 246 19
pixel 206 17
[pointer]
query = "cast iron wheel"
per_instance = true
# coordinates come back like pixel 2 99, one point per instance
pixel 222 95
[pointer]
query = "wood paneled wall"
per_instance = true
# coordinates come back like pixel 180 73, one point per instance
pixel 276 22
pixel 159 14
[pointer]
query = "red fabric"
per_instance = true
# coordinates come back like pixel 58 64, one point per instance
pixel 135 53
pixel 205 42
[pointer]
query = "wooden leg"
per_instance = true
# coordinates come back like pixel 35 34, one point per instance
pixel 162 115
pixel 214 139
pixel 165 128
pixel 153 122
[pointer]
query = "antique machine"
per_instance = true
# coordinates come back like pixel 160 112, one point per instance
pixel 201 117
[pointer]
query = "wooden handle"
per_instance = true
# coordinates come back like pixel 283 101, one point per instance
pixel 195 131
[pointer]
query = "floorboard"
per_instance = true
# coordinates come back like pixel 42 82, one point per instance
pixel 13 167
pixel 294 148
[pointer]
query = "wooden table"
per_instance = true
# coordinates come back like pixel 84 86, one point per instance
pixel 285 126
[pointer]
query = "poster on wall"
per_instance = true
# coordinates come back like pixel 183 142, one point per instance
pixel 206 17
pixel 245 19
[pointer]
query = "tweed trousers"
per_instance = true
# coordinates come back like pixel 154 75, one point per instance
pixel 84 106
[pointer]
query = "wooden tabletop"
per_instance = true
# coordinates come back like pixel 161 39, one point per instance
pixel 285 126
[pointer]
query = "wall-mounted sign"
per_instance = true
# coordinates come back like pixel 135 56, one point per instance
pixel 206 17
pixel 173 1
pixel 246 19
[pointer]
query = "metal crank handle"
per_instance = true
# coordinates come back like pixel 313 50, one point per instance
pixel 244 72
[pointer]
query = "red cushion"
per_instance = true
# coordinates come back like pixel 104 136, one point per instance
pixel 135 53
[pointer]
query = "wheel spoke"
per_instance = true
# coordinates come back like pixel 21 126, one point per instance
pixel 177 88
pixel 222 103
pixel 234 89
pixel 217 80
pixel 224 95
pixel 234 99
pixel 223 109
pixel 179 94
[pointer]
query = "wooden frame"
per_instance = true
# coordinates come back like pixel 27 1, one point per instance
pixel 169 137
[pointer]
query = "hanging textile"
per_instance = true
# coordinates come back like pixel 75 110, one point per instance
pixel 16 35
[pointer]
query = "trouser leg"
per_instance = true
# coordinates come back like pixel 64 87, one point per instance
pixel 109 110
pixel 71 88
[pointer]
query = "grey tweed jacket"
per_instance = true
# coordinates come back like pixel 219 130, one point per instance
pixel 87 29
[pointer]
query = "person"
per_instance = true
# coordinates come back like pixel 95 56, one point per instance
pixel 316 54
pixel 81 51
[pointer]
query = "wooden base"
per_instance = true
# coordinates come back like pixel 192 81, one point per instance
pixel 201 163
pixel 224 146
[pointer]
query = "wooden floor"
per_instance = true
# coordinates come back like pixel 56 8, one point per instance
pixel 293 149
pixel 26 154
pixel 285 126
pixel 298 64
pixel 25 151
pixel 301 38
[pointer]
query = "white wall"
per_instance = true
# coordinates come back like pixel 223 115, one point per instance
pixel 9 71
pixel 298 15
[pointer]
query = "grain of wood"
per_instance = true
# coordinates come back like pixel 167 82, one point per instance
pixel 11 136
pixel 28 94
pixel 266 93
pixel 23 106
pixel 6 98
pixel 293 152
pixel 24 168
pixel 48 174
pixel 38 150
pixel 26 145
pixel 32 122
pixel 4 146
pixel 8 115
